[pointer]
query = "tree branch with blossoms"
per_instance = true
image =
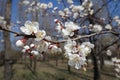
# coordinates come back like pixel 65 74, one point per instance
pixel 59 41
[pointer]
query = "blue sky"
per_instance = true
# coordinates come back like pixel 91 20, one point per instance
pixel 15 7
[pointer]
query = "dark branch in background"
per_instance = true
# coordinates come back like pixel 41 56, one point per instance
pixel 102 7
pixel 108 46
pixel 93 16
pixel 63 3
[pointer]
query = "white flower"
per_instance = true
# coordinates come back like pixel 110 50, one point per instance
pixel 109 53
pixel 114 59
pixel 116 18
pixel 117 70
pixel 38 4
pixel 30 27
pixel 40 35
pixel 76 60
pixel 43 6
pixel 48 37
pixel 88 44
pixel 55 8
pixel 54 49
pixel 43 46
pixel 96 28
pixel 59 28
pixel 117 75
pixel 29 9
pixel 66 9
pixel 68 14
pixel 91 12
pixel 56 20
pixel 26 47
pixel 2 41
pixel 70 46
pixel 75 15
pixel 77 8
pixel 84 50
pixel 70 1
pixel 1 18
pixel 59 50
pixel 23 50
pixel 65 32
pixel 50 5
pixel 108 26
pixel 26 2
pixel 67 54
pixel 117 61
pixel 87 4
pixel 2 21
pixel 71 26
pixel 71 6
pixel 61 13
pixel 34 52
pixel 33 3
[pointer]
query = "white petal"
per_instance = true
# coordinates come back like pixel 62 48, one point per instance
pixel 78 65
pixel 25 30
pixel 65 32
pixel 40 35
pixel 71 62
pixel 26 47
pixel 28 23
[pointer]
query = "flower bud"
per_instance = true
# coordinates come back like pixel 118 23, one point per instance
pixel 56 20
pixel 32 45
pixel 20 43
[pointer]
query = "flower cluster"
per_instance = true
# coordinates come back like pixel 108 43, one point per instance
pixel 32 28
pixel 77 11
pixel 21 42
pixel 67 29
pixel 117 66
pixel 95 28
pixel 108 52
pixel 77 53
pixel 30 50
pixel 45 46
pixel 34 6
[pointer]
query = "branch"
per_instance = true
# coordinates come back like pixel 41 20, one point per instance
pixel 61 41
pixel 16 34
pixel 108 46
pixel 102 7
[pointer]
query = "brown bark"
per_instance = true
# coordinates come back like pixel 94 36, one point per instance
pixel 8 60
pixel 35 64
